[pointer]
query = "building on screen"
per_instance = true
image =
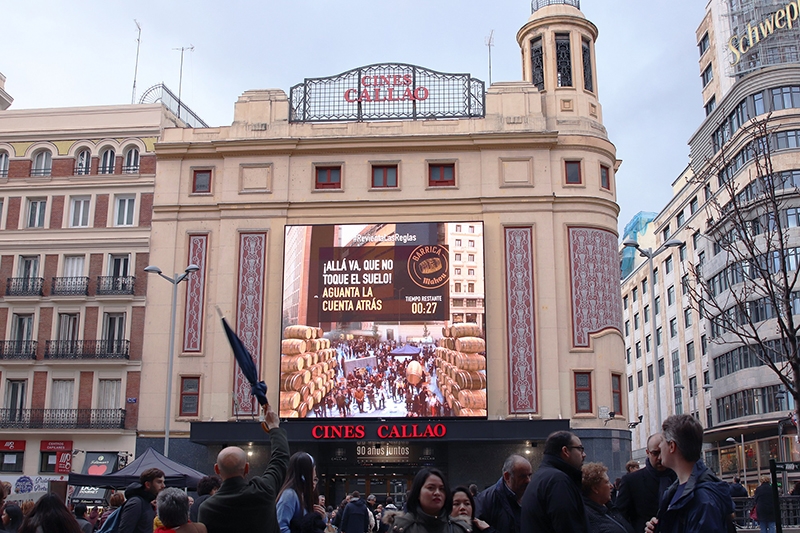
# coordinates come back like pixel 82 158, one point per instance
pixel 676 362
pixel 424 269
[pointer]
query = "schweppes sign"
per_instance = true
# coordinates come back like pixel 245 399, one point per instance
pixel 785 18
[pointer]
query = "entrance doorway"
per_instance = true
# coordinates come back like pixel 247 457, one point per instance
pixel 336 487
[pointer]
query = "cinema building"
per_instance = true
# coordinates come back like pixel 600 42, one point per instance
pixel 469 229
pixel 679 361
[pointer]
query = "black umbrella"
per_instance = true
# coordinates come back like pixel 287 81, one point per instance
pixel 245 360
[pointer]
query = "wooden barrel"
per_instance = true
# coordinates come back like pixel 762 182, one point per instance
pixel 472 399
pixel 302 410
pixel 320 333
pixel 469 361
pixel 470 380
pixel 440 352
pixel 319 381
pixel 446 331
pixel 465 411
pixel 310 402
pixel 292 382
pixel 318 396
pixel 414 372
pixel 455 405
pixel 293 346
pixel 470 345
pixel 466 329
pixel 289 414
pixel 299 332
pixel 289 400
pixel 292 363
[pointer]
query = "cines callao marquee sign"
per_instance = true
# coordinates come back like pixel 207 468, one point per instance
pixel 784 19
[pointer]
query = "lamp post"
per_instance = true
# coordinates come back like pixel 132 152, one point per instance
pixel 175 281
pixel 650 254
pixel 744 465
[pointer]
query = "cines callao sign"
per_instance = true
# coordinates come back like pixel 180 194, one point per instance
pixel 782 19
pixel 384 431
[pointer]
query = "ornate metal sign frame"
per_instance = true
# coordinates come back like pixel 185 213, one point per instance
pixel 387 91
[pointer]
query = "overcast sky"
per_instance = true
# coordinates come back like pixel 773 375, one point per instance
pixel 57 53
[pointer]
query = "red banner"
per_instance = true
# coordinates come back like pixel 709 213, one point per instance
pixel 64 462
pixel 56 446
pixel 12 445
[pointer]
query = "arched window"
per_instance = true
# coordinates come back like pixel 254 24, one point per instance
pixel 3 164
pixel 42 163
pixel 131 165
pixel 107 161
pixel 83 163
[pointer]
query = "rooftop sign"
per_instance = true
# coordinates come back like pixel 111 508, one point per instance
pixel 387 91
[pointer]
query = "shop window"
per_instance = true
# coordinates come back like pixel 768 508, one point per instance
pixel 572 171
pixel 442 175
pixel 11 461
pixel 583 392
pixel 201 181
pixel 384 176
pixel 328 178
pixel 47 462
pixel 190 396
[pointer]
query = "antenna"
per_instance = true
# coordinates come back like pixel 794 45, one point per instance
pixel 136 68
pixel 489 44
pixel 190 48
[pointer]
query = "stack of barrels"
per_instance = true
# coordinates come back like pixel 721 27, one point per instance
pixel 308 370
pixel 461 369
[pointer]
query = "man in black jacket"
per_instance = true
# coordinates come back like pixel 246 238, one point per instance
pixel 355 518
pixel 498 505
pixel 238 505
pixel 641 490
pixel 206 488
pixel 552 502
pixel 137 514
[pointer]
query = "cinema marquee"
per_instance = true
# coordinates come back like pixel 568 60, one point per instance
pixel 387 91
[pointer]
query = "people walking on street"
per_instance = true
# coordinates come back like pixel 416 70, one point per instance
pixel 765 506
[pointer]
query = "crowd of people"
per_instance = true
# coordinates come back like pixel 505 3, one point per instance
pixel 674 493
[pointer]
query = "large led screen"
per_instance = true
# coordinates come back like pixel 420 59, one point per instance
pixel 383 321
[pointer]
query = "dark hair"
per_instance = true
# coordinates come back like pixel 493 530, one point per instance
pixel 80 509
pixel 557 440
pixel 300 478
pixel 687 434
pixel 208 484
pixel 465 490
pixel 116 499
pixel 412 504
pixel 150 474
pixel 173 507
pixel 15 516
pixel 51 515
pixel 473 489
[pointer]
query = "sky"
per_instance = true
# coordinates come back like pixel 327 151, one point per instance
pixel 84 53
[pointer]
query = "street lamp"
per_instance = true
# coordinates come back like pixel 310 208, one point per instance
pixel 175 281
pixel 650 254
pixel 744 465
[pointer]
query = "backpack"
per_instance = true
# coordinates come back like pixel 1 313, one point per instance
pixel 111 525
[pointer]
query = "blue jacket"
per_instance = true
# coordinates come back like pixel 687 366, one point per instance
pixel 704 506
pixel 498 507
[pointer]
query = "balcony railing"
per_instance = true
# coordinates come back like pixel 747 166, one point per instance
pixel 105 169
pixel 87 349
pixel 115 284
pixel 130 169
pixel 24 286
pixel 11 418
pixel 82 170
pixel 17 349
pixel 538 4
pixel 70 286
pixel 41 171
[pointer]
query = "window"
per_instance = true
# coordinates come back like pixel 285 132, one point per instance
pixel 73 266
pixel 472 229
pixel 108 393
pixel 646 314
pixel 458 271
pixel 655 277
pixel 470 271
pixel 588 81
pixel 707 192
pixel 650 373
pixel 201 181
pixel 124 211
pixel 707 75
pixel 328 178
pixel 458 257
pixel 107 160
pixel 61 393
pixel 658 337
pixel 190 396
pixel 114 332
pixel 703 345
pixel 687 318
pixel 639 380
pixel 15 404
pixel 661 369
pixel 630 383
pixel 42 163
pixel 666 234
pixel 67 330
pixel 673 327
pixel 563 60
pixel 671 295
pixel 3 164
pixel 616 394
pixel 471 258
pixel 690 352
pixel 458 228
pixel 635 294
pixel 537 63
pixel 131 164
pixel 638 350
pixel 636 321
pixel 682 252
pixel 11 461
pixel 711 105
pixel 648 344
pixel 583 392
pixel 83 163
pixel 644 286
pixel 442 175
pixel 470 287
pixel 36 209
pixel 758 103
pixel 572 170
pixel 79 215
pixel 118 265
pixel 657 304
pixel 668 264
pixel 693 206
pixel 685 284
pixel 627 328
pixel 628 355
pixel 47 462
pixel 695 239
pixel 457 287
pixel 458 242
pixel 471 243
pixel 703 45
pixel 625 302
pixel 680 219
pixel 384 176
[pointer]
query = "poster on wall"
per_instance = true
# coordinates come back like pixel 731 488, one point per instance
pixel 383 321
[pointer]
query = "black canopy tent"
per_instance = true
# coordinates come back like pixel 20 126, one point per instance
pixel 175 474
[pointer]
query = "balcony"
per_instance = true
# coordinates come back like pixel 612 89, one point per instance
pixel 115 285
pixel 70 286
pixel 24 286
pixel 11 418
pixel 130 169
pixel 88 349
pixel 17 350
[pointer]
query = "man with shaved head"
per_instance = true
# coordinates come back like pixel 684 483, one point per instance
pixel 240 505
